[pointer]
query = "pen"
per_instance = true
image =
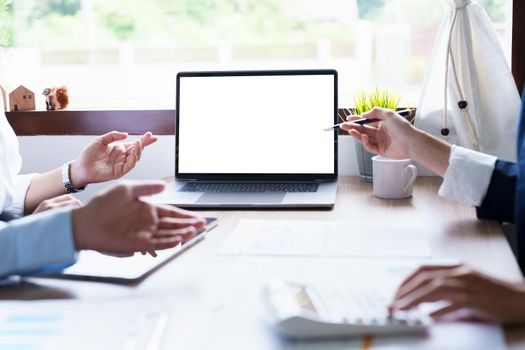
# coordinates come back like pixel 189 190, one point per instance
pixel 363 121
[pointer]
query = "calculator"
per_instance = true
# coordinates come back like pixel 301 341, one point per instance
pixel 305 311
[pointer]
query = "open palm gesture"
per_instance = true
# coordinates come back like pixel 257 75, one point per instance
pixel 119 222
pixel 104 159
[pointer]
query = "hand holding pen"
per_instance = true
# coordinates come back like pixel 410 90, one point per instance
pixel 362 121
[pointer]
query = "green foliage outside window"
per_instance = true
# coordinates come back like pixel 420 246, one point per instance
pixel 49 24
pixel 369 9
pixel 6 29
pixel 61 24
pixel 60 7
pixel 121 25
pixel 496 9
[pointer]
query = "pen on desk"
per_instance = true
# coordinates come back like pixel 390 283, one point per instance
pixel 363 121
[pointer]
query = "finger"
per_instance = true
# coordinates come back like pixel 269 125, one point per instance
pixel 112 136
pixel 70 200
pixel 378 113
pixel 63 204
pixel 147 139
pixel 146 188
pixel 138 149
pixel 74 203
pixel 130 162
pixel 352 117
pixel 175 223
pixel 370 144
pixel 166 243
pixel 430 293
pixel 184 233
pixel 427 268
pixel 448 310
pixel 152 253
pixel 175 212
pixel 459 276
pixel 362 129
pixel 356 135
pixel 62 198
pixel 351 126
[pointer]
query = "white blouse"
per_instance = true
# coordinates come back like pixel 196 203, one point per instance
pixel 468 176
pixel 13 187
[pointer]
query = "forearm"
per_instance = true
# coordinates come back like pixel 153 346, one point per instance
pixel 42 187
pixel 37 242
pixel 430 151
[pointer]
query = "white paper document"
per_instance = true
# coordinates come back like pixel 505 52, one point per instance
pixel 72 324
pixel 327 239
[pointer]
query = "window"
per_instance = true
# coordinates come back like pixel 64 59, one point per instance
pixel 125 54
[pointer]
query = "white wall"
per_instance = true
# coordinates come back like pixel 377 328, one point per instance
pixel 43 153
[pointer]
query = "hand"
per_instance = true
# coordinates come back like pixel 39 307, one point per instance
pixel 117 221
pixel 58 202
pixel 390 138
pixel 470 295
pixel 104 160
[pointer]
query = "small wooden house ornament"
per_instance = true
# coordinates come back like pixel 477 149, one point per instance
pixel 3 92
pixel 22 99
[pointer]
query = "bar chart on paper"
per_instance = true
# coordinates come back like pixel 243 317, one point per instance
pixel 327 239
pixel 109 324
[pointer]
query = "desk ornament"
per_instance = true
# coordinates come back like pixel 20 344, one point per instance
pixel 56 98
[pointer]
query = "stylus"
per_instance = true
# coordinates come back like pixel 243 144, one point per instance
pixel 363 121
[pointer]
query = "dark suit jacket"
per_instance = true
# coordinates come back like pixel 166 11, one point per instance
pixel 505 199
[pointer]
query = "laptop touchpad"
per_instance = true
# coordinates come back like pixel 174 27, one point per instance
pixel 241 198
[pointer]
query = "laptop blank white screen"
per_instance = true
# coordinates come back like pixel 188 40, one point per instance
pixel 256 124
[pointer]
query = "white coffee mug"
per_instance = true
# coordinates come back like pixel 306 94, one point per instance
pixel 393 178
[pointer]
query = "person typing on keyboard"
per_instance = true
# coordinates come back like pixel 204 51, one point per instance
pixel 495 187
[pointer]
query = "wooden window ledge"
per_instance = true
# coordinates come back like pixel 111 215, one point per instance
pixel 135 122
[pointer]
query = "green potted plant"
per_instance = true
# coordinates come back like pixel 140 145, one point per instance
pixel 363 102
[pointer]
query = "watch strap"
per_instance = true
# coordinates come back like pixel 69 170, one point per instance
pixel 66 180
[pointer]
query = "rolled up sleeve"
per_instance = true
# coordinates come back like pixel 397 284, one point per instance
pixel 37 243
pixel 20 186
pixel 468 176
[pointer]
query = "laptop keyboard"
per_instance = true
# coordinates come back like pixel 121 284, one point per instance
pixel 225 187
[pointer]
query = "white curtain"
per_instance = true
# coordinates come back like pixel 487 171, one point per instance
pixel 469 96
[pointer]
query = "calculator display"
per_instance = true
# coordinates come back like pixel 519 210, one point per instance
pixel 303 299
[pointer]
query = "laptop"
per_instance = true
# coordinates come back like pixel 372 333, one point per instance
pixel 254 139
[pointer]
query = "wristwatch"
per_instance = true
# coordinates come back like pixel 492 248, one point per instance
pixel 66 169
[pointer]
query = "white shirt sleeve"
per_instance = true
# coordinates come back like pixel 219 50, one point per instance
pixel 37 243
pixel 467 178
pixel 20 185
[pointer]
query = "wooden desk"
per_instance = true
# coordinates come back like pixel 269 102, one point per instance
pixel 453 230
